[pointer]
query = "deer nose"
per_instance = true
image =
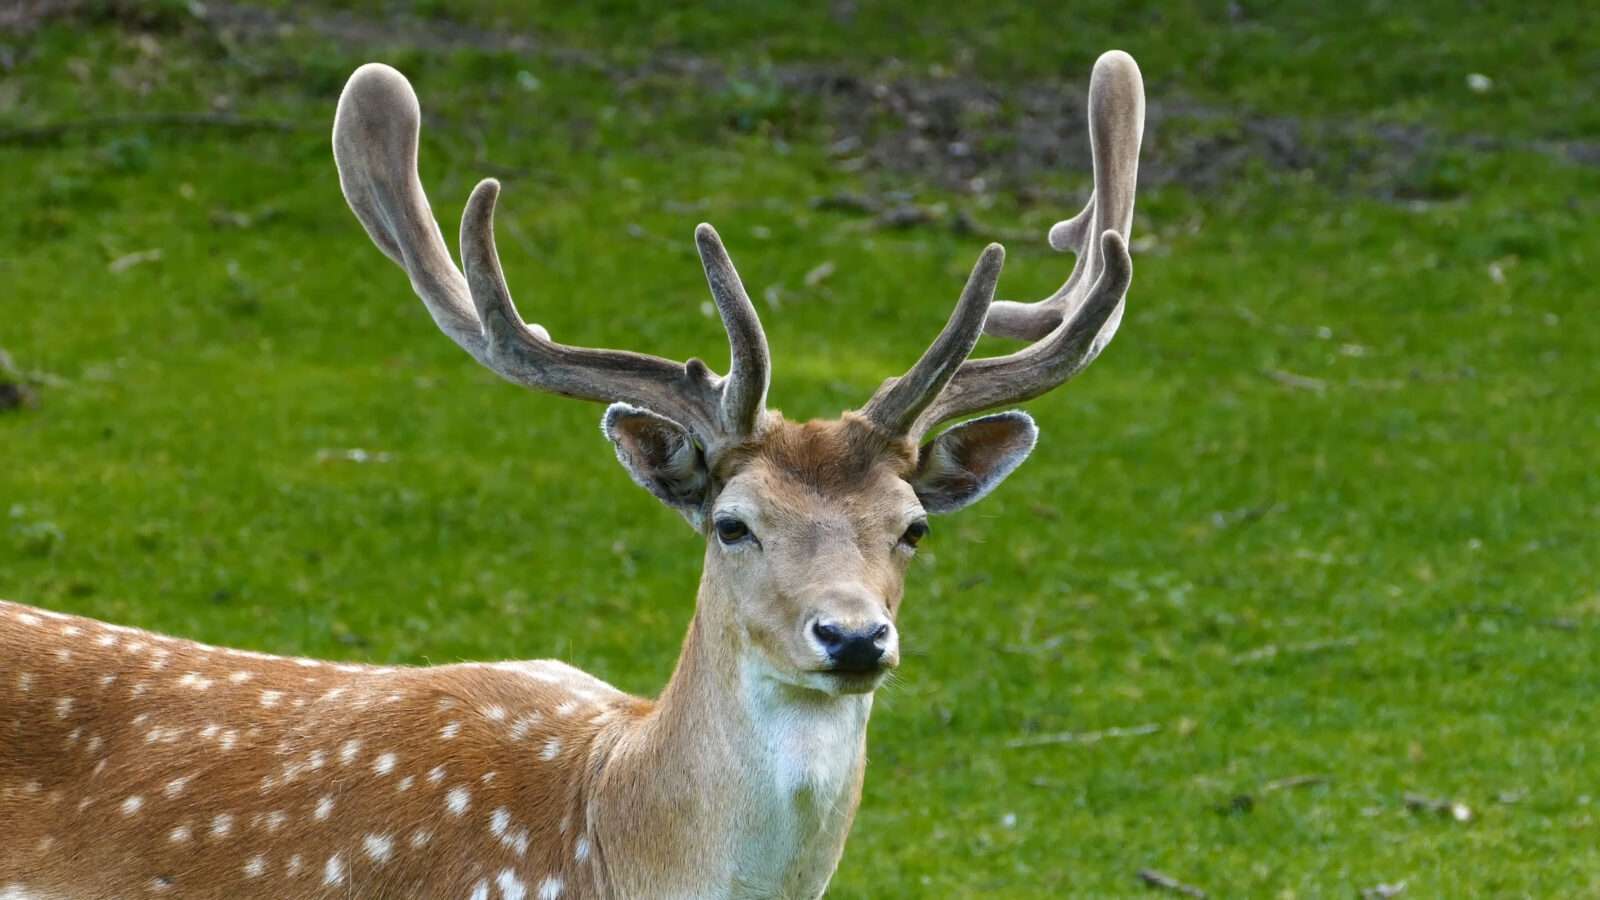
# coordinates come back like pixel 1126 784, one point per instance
pixel 852 649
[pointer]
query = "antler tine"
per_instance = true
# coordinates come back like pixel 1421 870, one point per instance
pixel 1116 126
pixel 375 147
pixel 744 395
pixel 1072 326
pixel 898 403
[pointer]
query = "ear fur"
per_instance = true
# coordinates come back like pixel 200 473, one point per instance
pixel 962 465
pixel 660 456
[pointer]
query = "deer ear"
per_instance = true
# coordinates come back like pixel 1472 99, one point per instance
pixel 960 466
pixel 661 456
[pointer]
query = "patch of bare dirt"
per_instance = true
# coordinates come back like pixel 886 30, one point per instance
pixel 958 132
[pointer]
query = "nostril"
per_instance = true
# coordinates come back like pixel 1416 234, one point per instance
pixel 881 632
pixel 830 635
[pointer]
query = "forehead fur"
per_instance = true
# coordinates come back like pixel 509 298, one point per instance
pixel 832 457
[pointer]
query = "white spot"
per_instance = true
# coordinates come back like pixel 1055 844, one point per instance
pixel 307 663
pixel 158 885
pixel 139 689
pixel 71 631
pixel 499 821
pixel 132 805
pixel 580 851
pixel 195 680
pixel 393 697
pixel 64 707
pixel 179 835
pixel 275 820
pixel 520 728
pixel 324 808
pixel 293 868
pixel 106 640
pixel 495 713
pixel 255 866
pixel 551 749
pixel 333 871
pixel 210 731
pixel 63 654
pixel 29 619
pixel 378 847
pixel 32 787
pixel 93 746
pixel 405 783
pixel 421 837
pixel 384 764
pixel 25 682
pixel 348 752
pixel 333 694
pixel 176 786
pixel 517 840
pixel 317 760
pixel 550 888
pixel 436 774
pixel 450 730
pixel 74 736
pixel 271 698
pixel 486 777
pixel 480 891
pixel 227 738
pixel 567 708
pixel 457 800
pixel 134 647
pixel 511 887
pixel 221 825
pixel 241 676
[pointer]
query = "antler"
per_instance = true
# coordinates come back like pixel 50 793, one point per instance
pixel 1071 326
pixel 375 146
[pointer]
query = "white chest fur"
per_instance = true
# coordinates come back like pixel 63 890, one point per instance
pixel 799 781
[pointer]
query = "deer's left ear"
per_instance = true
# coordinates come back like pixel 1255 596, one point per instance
pixel 960 466
pixel 661 457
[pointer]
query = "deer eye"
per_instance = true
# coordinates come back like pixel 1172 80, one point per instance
pixel 914 534
pixel 731 531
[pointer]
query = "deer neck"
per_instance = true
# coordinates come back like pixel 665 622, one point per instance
pixel 752 782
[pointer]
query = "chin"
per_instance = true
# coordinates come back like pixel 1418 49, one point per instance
pixel 839 684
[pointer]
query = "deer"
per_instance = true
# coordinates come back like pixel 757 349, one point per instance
pixel 134 764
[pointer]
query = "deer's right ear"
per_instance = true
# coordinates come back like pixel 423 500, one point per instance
pixel 661 456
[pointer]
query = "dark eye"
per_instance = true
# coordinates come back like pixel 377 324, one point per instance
pixel 731 531
pixel 914 534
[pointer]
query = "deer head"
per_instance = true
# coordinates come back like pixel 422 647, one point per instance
pixel 808 526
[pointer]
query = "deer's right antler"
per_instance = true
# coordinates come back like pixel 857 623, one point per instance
pixel 1070 327
pixel 375 146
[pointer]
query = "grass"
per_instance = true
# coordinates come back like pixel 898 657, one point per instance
pixel 1327 507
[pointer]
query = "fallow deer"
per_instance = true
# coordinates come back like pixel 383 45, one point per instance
pixel 133 764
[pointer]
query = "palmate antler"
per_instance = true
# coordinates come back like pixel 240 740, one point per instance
pixel 375 146
pixel 1070 327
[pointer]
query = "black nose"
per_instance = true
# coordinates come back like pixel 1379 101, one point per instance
pixel 852 650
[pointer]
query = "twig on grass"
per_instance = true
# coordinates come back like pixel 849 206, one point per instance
pixel 1449 809
pixel 1167 883
pixel 1271 651
pixel 1297 382
pixel 1083 737
pixel 33 134
pixel 1293 781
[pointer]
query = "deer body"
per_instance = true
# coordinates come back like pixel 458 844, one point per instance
pixel 194 771
pixel 134 764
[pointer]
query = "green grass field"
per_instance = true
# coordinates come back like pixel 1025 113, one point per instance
pixel 1328 507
